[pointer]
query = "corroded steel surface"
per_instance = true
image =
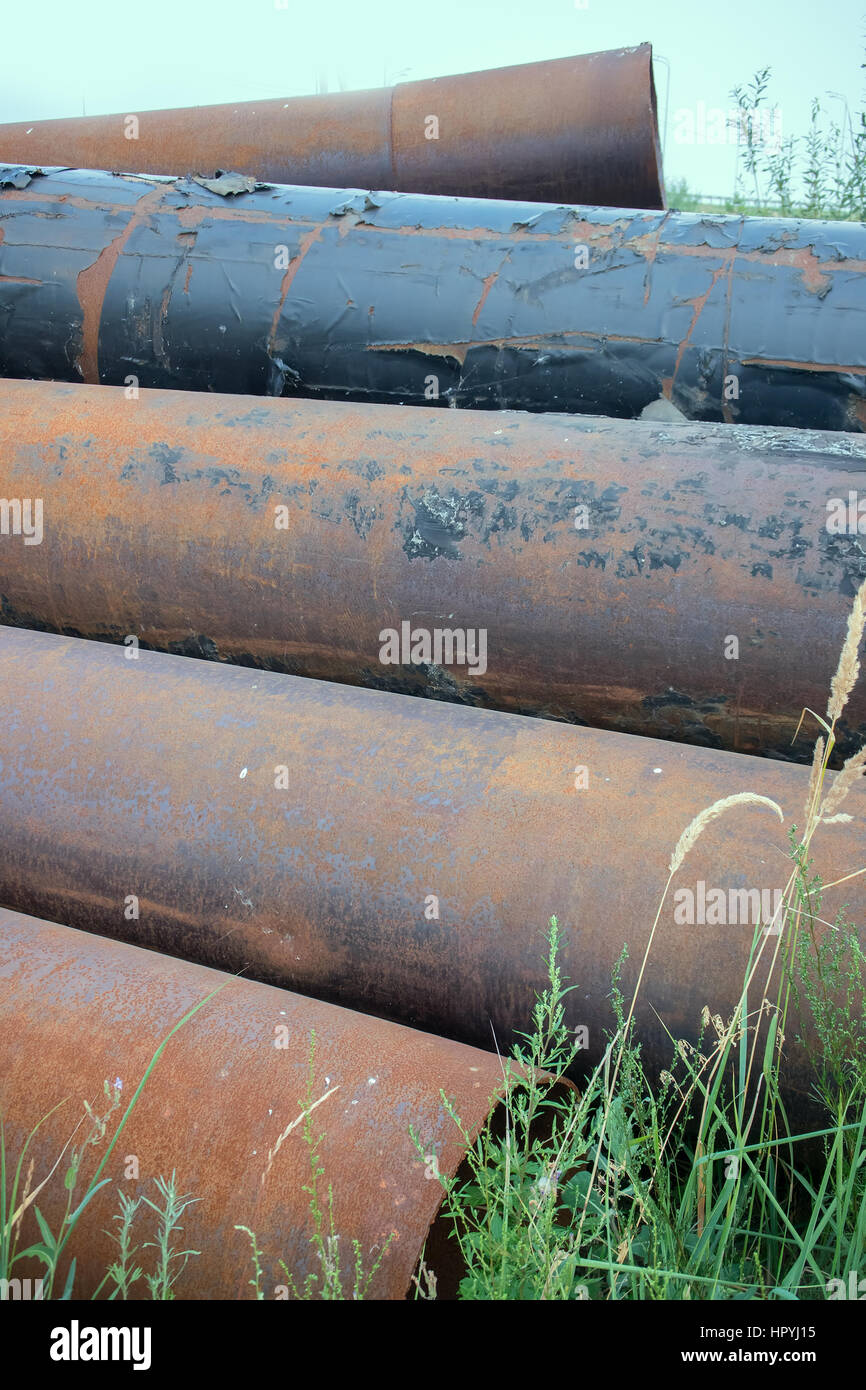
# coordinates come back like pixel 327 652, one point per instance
pixel 410 299
pixel 389 854
pixel 77 1010
pixel 579 129
pixel 608 563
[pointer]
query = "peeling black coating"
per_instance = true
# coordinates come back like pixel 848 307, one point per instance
pixel 17 175
pixel 343 294
pixel 228 185
pixel 440 523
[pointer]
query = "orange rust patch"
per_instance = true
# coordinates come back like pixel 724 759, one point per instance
pixel 815 279
pixel 456 350
pixel 28 195
pixel 191 216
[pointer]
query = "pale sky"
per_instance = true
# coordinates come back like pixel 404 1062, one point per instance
pixel 110 56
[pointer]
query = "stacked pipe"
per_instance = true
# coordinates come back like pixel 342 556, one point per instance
pixel 224 1107
pixel 411 299
pixel 633 609
pixel 384 853
pixel 316 538
pixel 581 129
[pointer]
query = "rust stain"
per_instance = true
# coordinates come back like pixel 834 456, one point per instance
pixel 857 370
pixel 488 282
pixel 816 274
pixel 188 240
pixel 699 303
pixel 160 320
pixel 292 269
pixel 72 200
pixel 93 281
pixel 459 348
pixel 457 351
pixel 650 251
pixel 192 215
pixel 816 280
pixel 727 410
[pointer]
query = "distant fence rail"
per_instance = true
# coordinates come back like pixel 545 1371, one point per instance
pixel 718 201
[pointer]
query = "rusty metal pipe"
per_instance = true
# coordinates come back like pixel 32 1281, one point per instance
pixel 77 1010
pixel 420 300
pixel 608 563
pixel 388 854
pixel 582 129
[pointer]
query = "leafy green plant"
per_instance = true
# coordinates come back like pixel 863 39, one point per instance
pixel 122 1274
pixel 820 173
pixel 826 165
pixel 169 1212
pixel 332 1282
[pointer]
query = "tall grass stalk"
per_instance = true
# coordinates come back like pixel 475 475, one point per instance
pixel 691 1184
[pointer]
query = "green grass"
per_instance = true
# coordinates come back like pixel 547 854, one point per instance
pixel 689 1185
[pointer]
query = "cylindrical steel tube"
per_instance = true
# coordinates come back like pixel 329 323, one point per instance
pixel 610 566
pixel 410 299
pixel 390 854
pixel 223 1109
pixel 579 129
